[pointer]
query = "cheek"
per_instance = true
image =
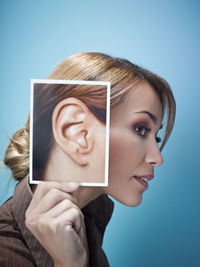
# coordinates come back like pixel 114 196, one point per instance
pixel 126 153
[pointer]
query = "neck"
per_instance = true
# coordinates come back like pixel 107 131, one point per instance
pixel 84 195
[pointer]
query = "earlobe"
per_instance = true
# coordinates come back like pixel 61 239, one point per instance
pixel 72 129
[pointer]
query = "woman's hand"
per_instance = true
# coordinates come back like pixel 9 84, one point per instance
pixel 55 220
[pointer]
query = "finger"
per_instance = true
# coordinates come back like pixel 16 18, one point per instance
pixel 82 235
pixel 76 240
pixel 51 199
pixel 44 187
pixel 71 218
pixel 60 208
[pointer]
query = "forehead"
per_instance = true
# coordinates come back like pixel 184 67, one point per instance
pixel 142 97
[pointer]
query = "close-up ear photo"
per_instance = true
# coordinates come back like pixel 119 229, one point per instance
pixel 69 131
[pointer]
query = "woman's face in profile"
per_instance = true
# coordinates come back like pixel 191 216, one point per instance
pixel 134 152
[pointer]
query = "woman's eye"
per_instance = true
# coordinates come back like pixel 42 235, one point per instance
pixel 142 130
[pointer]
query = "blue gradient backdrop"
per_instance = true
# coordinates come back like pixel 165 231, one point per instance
pixel 162 36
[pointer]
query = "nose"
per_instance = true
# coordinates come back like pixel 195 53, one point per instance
pixel 154 156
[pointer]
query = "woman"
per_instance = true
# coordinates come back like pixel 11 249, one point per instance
pixel 69 221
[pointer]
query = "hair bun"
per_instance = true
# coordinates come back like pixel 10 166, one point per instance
pixel 17 154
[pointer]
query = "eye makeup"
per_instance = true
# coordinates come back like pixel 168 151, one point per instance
pixel 158 139
pixel 141 127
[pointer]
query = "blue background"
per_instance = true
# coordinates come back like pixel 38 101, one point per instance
pixel 162 36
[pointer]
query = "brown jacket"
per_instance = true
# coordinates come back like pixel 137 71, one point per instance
pixel 18 247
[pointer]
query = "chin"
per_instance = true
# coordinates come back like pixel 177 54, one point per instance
pixel 130 202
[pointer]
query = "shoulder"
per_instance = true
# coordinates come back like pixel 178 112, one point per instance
pixel 18 246
pixel 7 222
pixel 13 249
pixel 5 215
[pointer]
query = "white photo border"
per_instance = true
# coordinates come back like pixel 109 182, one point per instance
pixel 47 81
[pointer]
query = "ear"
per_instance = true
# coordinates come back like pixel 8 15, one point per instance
pixel 71 122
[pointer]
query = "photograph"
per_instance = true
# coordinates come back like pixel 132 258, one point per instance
pixel 69 131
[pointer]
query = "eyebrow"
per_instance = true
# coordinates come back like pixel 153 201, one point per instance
pixel 152 116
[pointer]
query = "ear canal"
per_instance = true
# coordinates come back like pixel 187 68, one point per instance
pixel 81 140
pixel 71 130
pixel 74 132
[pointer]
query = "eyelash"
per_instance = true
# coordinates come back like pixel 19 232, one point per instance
pixel 158 139
pixel 143 127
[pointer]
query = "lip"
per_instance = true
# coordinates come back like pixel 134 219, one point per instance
pixel 148 176
pixel 141 182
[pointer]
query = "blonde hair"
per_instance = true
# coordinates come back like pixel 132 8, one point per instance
pixel 123 76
